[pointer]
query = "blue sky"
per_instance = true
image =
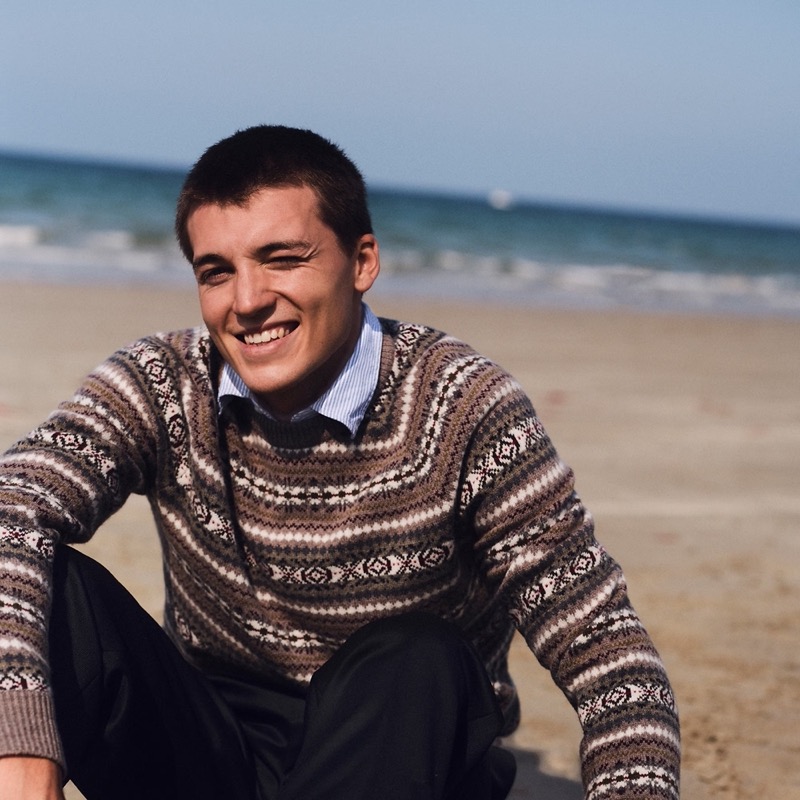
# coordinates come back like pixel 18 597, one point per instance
pixel 670 106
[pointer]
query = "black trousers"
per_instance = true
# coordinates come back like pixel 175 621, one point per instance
pixel 403 711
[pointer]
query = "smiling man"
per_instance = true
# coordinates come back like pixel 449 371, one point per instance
pixel 280 296
pixel 355 515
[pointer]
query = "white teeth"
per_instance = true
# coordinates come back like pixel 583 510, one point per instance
pixel 265 336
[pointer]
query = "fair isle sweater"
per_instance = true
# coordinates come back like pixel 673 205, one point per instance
pixel 279 541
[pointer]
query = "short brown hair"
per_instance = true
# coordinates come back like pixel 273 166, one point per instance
pixel 232 170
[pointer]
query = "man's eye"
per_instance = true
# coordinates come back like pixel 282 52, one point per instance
pixel 211 275
pixel 285 262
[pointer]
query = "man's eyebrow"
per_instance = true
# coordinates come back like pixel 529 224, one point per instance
pixel 261 253
pixel 267 250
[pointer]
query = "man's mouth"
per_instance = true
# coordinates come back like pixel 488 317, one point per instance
pixel 267 336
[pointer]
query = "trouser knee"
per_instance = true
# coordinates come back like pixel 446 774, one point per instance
pixel 409 648
pixel 408 700
pixel 415 637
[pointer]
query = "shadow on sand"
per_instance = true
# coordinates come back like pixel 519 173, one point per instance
pixel 533 784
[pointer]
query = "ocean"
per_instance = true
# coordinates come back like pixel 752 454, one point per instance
pixel 64 220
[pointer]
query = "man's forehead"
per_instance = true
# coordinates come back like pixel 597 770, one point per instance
pixel 284 196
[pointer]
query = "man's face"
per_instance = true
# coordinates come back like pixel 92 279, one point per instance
pixel 281 301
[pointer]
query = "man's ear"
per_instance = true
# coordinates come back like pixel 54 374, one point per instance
pixel 367 262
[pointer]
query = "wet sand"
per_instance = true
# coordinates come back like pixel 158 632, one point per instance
pixel 684 432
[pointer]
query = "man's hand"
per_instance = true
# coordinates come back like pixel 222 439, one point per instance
pixel 30 778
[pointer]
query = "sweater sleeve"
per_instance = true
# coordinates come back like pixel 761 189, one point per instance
pixel 568 598
pixel 58 485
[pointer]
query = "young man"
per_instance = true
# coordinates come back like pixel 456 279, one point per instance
pixel 355 516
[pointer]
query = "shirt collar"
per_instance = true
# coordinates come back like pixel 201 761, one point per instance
pixel 346 399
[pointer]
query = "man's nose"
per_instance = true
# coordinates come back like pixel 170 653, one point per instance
pixel 252 294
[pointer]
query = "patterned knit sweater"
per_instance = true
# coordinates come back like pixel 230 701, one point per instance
pixel 279 541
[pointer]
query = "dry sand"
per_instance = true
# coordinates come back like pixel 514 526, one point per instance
pixel 684 432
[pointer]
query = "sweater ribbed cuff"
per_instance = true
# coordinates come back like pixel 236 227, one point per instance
pixel 28 726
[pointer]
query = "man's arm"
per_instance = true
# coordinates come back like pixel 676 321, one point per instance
pixel 569 599
pixel 59 484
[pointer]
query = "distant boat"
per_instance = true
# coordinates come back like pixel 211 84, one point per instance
pixel 501 199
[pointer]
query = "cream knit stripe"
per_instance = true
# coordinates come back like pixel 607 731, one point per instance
pixel 26 573
pixel 577 615
pixel 554 475
pixel 638 732
pixel 644 658
pixel 359 609
pixel 13 607
pixel 14 644
pixel 96 419
pixel 286 535
pixel 17 510
pixel 120 387
pixel 181 530
pixel 58 467
pixel 109 403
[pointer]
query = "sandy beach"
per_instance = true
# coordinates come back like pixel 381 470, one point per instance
pixel 684 432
